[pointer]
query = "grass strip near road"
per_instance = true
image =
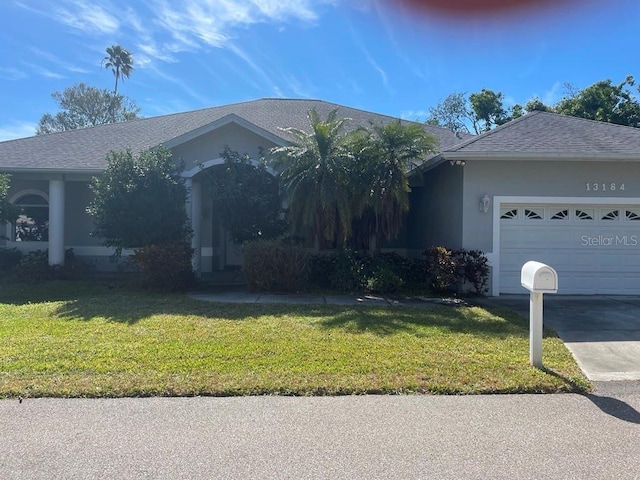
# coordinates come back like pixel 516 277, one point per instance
pixel 90 340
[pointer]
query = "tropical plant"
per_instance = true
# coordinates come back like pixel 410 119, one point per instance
pixel 385 154
pixel 317 169
pixel 120 61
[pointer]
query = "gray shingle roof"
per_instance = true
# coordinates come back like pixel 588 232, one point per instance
pixel 86 149
pixel 549 134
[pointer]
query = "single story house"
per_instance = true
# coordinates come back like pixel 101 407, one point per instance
pixel 557 189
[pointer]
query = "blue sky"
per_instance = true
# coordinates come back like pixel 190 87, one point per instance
pixel 375 55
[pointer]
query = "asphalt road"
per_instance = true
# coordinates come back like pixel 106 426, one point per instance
pixel 368 437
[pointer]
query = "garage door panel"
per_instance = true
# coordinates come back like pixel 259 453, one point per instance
pixel 593 248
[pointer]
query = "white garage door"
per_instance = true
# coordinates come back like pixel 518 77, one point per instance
pixel 594 248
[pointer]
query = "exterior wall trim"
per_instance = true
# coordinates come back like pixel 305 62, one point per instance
pixel 498 201
pixel 217 161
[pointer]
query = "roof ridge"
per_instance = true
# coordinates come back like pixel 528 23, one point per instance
pixel 499 128
pixel 591 120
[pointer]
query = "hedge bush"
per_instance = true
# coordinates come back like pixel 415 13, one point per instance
pixel 275 266
pixel 349 271
pixel 9 258
pixel 34 268
pixel 449 271
pixel 166 267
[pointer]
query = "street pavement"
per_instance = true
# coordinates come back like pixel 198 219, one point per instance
pixel 564 436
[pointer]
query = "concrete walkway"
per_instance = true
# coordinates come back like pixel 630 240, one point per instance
pixel 602 332
pixel 302 299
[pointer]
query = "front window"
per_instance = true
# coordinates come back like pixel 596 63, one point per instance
pixel 32 224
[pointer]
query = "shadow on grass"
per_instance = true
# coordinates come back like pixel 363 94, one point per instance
pixel 572 385
pixel 457 319
pixel 116 302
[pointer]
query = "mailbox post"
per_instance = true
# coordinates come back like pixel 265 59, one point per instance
pixel 539 279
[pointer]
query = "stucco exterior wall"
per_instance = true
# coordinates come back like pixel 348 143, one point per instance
pixel 78 223
pixel 539 179
pixel 210 145
pixel 435 216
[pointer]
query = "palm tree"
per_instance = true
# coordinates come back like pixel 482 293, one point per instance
pixel 315 178
pixel 385 157
pixel 120 62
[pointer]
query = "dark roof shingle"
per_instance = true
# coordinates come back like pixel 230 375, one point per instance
pixel 86 149
pixel 548 133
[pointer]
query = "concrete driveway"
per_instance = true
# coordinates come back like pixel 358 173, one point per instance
pixel 602 332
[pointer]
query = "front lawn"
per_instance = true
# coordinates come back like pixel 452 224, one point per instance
pixel 98 340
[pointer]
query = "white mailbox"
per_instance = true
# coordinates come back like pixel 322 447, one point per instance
pixel 538 277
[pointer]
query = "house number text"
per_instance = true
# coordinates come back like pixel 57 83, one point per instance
pixel 603 187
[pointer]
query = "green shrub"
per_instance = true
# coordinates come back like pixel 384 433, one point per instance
pixel 356 271
pixel 384 280
pixel 34 268
pixel 9 258
pixel 275 266
pixel 441 270
pixel 166 267
pixel 473 267
pixel 448 271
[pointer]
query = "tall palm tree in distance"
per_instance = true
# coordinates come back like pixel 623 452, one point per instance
pixel 120 61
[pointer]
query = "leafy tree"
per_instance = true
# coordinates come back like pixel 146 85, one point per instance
pixel 139 201
pixel 480 112
pixel 452 113
pixel 120 61
pixel 603 101
pixel 488 110
pixel 247 198
pixel 315 178
pixel 84 106
pixel 384 155
pixel 536 104
pixel 7 211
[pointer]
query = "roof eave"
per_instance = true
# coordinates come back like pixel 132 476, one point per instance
pixel 543 156
pixel 70 171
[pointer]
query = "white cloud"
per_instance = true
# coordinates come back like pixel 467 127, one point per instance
pixel 11 73
pixel 87 16
pixel 57 61
pixel 43 71
pixel 17 130
pixel 184 86
pixel 414 115
pixel 552 96
pixel 196 23
pixel 253 65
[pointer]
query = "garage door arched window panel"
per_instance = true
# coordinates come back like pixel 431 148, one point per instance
pixel 32 224
pixel 532 214
pixel 585 214
pixel 632 215
pixel 610 215
pixel 560 214
pixel 509 213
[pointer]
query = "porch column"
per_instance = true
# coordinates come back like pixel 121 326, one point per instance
pixel 56 222
pixel 195 198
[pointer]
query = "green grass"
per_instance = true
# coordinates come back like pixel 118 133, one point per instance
pixel 90 340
